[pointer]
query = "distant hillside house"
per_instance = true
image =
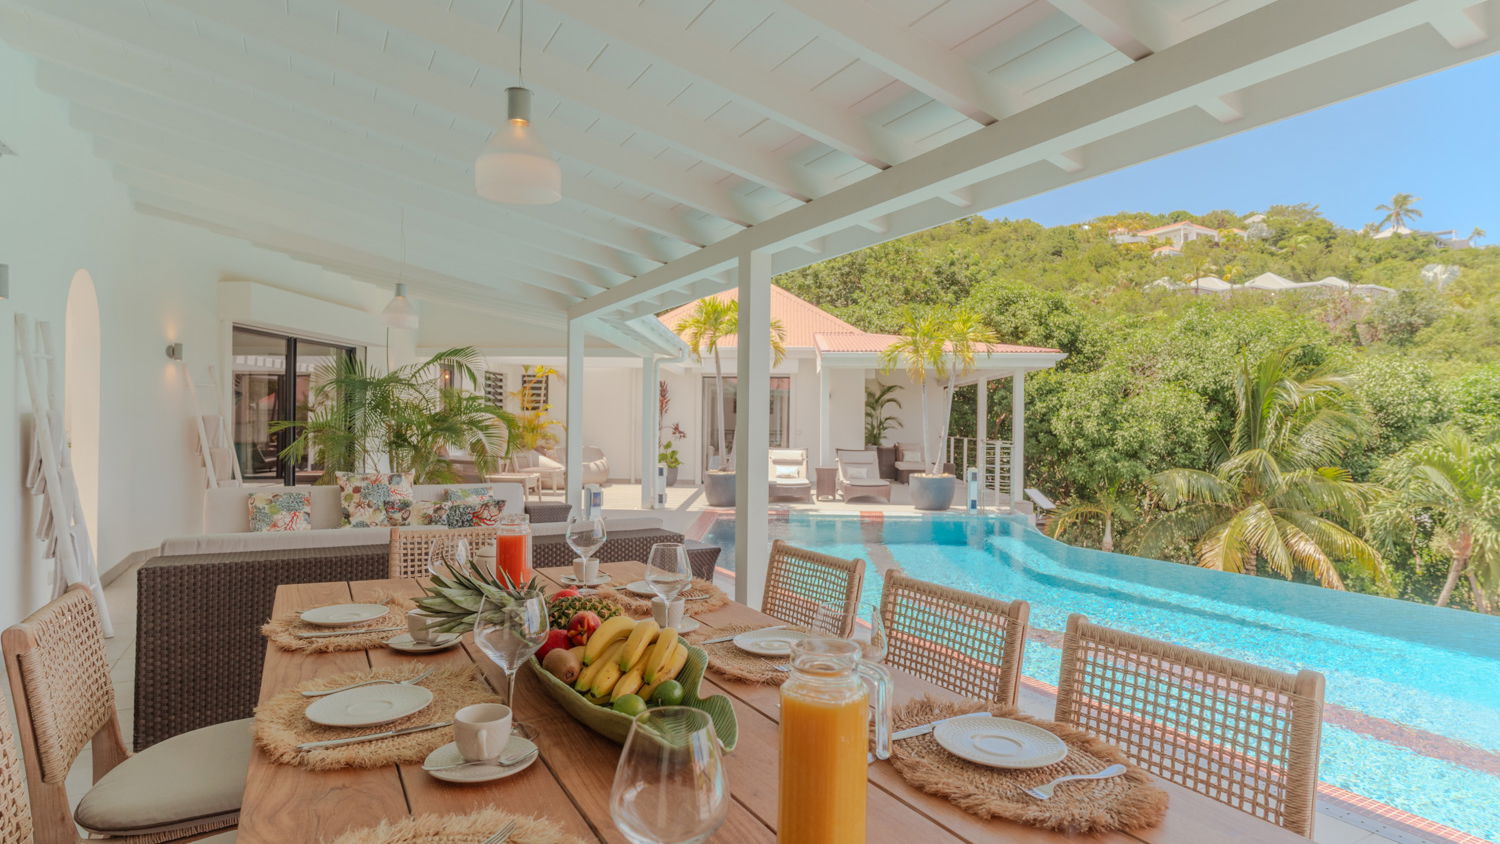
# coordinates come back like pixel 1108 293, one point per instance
pixel 1176 236
pixel 1448 239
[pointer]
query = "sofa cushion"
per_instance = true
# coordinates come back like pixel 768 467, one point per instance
pixel 233 543
pixel 363 496
pixel 225 510
pixel 281 510
pixel 187 780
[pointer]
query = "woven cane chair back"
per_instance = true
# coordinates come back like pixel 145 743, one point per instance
pixel 15 807
pixel 798 580
pixel 58 652
pixel 412 548
pixel 1242 734
pixel 967 643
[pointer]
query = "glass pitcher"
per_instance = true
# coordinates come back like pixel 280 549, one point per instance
pixel 824 741
pixel 513 549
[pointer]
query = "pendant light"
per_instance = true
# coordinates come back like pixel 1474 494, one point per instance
pixel 515 167
pixel 400 313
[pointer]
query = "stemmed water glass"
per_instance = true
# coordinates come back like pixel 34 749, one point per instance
pixel 445 555
pixel 667 570
pixel 509 631
pixel 877 644
pixel 585 533
pixel 670 786
pixel 828 619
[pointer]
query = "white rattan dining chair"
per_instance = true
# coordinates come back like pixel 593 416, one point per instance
pixel 412 548
pixel 1242 734
pixel 967 643
pixel 186 786
pixel 799 580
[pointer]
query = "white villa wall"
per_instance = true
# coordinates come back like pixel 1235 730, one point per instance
pixel 157 282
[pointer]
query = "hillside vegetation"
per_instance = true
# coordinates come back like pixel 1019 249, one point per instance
pixel 1149 384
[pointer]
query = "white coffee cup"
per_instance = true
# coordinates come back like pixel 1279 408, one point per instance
pixel 585 571
pixel 416 623
pixel 667 615
pixel 482 731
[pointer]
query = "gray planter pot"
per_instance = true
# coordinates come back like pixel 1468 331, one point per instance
pixel 932 492
pixel 718 489
pixel 672 475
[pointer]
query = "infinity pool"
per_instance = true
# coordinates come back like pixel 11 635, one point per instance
pixel 1414 691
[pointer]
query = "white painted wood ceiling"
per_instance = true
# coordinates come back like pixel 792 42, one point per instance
pixel 323 128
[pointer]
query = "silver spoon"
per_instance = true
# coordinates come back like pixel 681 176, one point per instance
pixel 410 682
pixel 506 762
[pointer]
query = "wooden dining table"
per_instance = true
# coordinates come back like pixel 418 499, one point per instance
pixel 570 782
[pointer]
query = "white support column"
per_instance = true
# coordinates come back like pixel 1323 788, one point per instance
pixel 825 422
pixel 650 427
pixel 752 437
pixel 981 416
pixel 1017 437
pixel 574 418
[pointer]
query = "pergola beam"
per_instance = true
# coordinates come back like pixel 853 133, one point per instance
pixel 1133 28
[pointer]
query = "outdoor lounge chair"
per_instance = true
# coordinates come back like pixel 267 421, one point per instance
pixel 908 460
pixel 789 474
pixel 859 476
pixel 1242 734
pixel 595 465
pixel 926 624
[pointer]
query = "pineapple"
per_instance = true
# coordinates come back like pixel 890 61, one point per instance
pixel 562 610
pixel 454 599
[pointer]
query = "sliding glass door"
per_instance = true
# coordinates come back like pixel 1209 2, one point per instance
pixel 781 392
pixel 273 379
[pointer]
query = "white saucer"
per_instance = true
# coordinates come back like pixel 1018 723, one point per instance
pixel 769 642
pixel 405 644
pixel 999 742
pixel 597 581
pixel 343 615
pixel 367 706
pixel 689 624
pixel 448 755
pixel 640 587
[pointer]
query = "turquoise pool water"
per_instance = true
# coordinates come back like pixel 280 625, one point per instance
pixel 1414 690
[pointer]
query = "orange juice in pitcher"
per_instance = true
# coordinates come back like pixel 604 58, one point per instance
pixel 825 718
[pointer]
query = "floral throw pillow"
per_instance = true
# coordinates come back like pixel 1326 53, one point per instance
pixel 363 497
pixel 280 511
pixel 429 514
pixel 474 513
pixel 398 511
pixel 470 493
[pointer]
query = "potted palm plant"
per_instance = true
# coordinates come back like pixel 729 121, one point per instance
pixel 878 423
pixel 941 343
pixel 712 320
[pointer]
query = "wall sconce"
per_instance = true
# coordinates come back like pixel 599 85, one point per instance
pixel 174 351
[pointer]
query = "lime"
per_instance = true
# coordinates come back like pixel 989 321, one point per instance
pixel 631 705
pixel 668 694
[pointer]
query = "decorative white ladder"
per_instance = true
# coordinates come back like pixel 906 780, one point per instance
pixel 61 528
pixel 214 445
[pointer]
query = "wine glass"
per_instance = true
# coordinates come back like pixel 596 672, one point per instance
pixel 670 786
pixel 828 619
pixel 585 533
pixel 445 555
pixel 667 570
pixel 877 644
pixel 509 630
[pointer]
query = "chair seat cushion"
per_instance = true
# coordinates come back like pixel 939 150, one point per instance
pixel 866 482
pixel 187 780
pixel 791 482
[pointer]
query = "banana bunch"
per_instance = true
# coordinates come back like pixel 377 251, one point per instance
pixel 629 657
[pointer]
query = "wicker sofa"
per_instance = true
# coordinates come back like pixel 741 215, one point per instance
pixel 201 603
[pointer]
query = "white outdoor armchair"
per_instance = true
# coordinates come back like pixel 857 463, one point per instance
pixel 788 474
pixel 859 476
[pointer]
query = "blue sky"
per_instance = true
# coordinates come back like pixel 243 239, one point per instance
pixel 1437 137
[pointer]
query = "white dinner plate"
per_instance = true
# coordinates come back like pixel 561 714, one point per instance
pixel 343 615
pixel 448 755
pixel 999 742
pixel 599 580
pixel 405 644
pixel 367 706
pixel 640 587
pixel 768 642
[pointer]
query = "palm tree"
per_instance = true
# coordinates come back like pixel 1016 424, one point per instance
pixel 1475 235
pixel 966 333
pixel 1449 483
pixel 1276 497
pixel 1399 211
pixel 1110 506
pixel 877 423
pixel 919 350
pixel 713 319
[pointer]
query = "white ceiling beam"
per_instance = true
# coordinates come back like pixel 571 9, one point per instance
pixel 102 55
pixel 1136 28
pixel 1271 42
pixel 868 33
pixel 661 38
pixel 1461 27
pixel 261 20
pixel 433 22
pixel 1225 108
pixel 1068 160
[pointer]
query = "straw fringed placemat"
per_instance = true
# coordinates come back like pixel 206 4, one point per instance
pixel 1129 801
pixel 280 724
pixel 283 629
pixel 699 598
pixel 460 829
pixel 729 661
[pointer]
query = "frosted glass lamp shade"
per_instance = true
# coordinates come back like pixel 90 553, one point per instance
pixel 400 313
pixel 515 168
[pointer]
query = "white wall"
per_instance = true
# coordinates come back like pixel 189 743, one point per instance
pixel 157 282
